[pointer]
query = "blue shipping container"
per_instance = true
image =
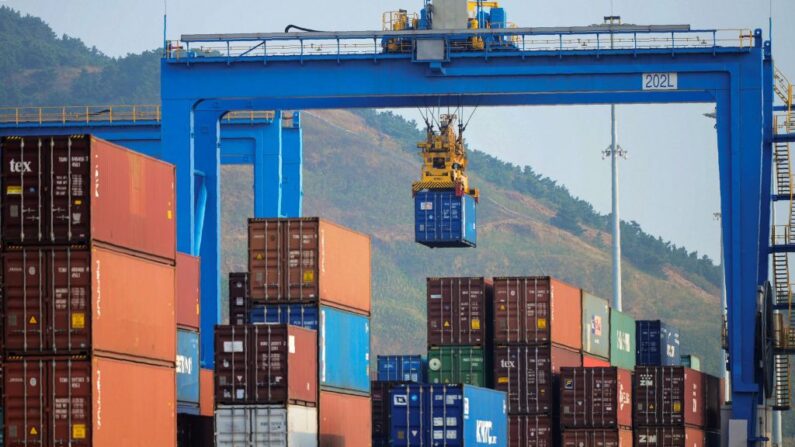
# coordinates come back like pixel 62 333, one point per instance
pixel 187 366
pixel 657 343
pixel 303 315
pixel 449 415
pixel 344 356
pixel 443 219
pixel 403 368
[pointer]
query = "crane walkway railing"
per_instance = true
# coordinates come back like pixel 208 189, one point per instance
pixel 566 39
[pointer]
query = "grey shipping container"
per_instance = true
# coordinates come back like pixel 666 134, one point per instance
pixel 595 325
pixel 266 425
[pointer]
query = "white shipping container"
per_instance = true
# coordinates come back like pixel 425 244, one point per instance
pixel 265 426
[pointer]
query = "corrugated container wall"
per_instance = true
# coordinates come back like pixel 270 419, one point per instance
pixel 460 415
pixel 537 310
pixel 80 301
pixel 595 325
pixel 595 398
pixel 458 311
pixel 657 343
pixel 239 303
pixel 265 364
pixel 594 362
pixel 458 364
pixel 668 395
pixel 381 407
pixel 206 392
pixel 67 190
pixel 622 340
pixel 530 431
pixel 344 420
pixel 266 425
pixel 303 315
pixel 309 260
pixel 188 285
pixel 83 403
pixel 405 368
pixel 445 219
pixel 668 437
pixel 188 367
pixel 525 373
pixel 597 438
pixel 344 350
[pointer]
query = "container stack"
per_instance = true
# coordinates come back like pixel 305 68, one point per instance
pixel 392 371
pixel 89 294
pixel 537 331
pixel 459 331
pixel 313 274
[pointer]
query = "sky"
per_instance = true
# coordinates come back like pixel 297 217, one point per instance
pixel 669 183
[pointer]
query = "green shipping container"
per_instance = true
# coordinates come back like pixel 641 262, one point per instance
pixel 622 340
pixel 457 364
pixel 691 361
pixel 595 325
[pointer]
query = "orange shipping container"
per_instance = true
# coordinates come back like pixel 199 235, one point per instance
pixel 88 300
pixel 590 361
pixel 308 260
pixel 188 277
pixel 206 392
pixel 345 420
pixel 65 190
pixel 82 403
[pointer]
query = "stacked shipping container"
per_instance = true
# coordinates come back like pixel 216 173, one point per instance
pixel 85 220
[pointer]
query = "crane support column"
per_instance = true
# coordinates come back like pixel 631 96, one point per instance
pixel 268 170
pixel 177 125
pixel 292 175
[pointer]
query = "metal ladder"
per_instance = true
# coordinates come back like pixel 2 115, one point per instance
pixel 781 393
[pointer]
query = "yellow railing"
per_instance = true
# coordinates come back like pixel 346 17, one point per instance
pixel 109 114
pixel 782 235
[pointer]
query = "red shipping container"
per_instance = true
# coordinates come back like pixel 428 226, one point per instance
pixel 188 286
pixel 206 392
pixel 98 402
pixel 457 311
pixel 595 398
pixel 88 300
pixel 668 396
pixel 590 361
pixel 239 303
pixel 65 190
pixel 345 420
pixel 525 373
pixel 597 438
pixel 306 260
pixel 530 431
pixel 669 437
pixel 537 310
pixel 265 364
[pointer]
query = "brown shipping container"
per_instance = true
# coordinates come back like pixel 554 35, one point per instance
pixel 188 286
pixel 668 396
pixel 595 398
pixel 537 310
pixel 345 420
pixel 265 364
pixel 309 259
pixel 82 403
pixel 458 311
pixel 79 189
pixel 669 437
pixel 84 300
pixel 206 392
pixel 597 438
pixel 530 431
pixel 525 373
pixel 238 298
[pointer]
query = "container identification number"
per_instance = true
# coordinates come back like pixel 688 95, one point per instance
pixel 660 81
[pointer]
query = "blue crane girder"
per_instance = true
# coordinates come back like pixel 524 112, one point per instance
pixel 197 90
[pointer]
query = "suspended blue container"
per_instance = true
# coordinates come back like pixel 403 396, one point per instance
pixel 344 352
pixel 303 315
pixel 449 415
pixel 401 368
pixel 657 343
pixel 444 219
pixel 187 368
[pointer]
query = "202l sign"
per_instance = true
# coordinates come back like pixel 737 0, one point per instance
pixel 660 81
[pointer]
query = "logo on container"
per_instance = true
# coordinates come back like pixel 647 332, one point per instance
pixel 647 439
pixel 20 167
pixel 596 326
pixel 507 364
pixel 623 341
pixel 400 400
pixel 184 364
pixel 484 435
pixel 670 350
pixel 624 397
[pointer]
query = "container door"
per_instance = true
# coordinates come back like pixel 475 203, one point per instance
pixel 301 426
pixel 232 426
pixel 70 183
pixel 24 194
pixel 232 373
pixel 187 366
pixel 269 426
pixel 344 350
pixel 302 259
pixel 24 403
pixel 26 296
pixel 266 253
pixel 69 313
